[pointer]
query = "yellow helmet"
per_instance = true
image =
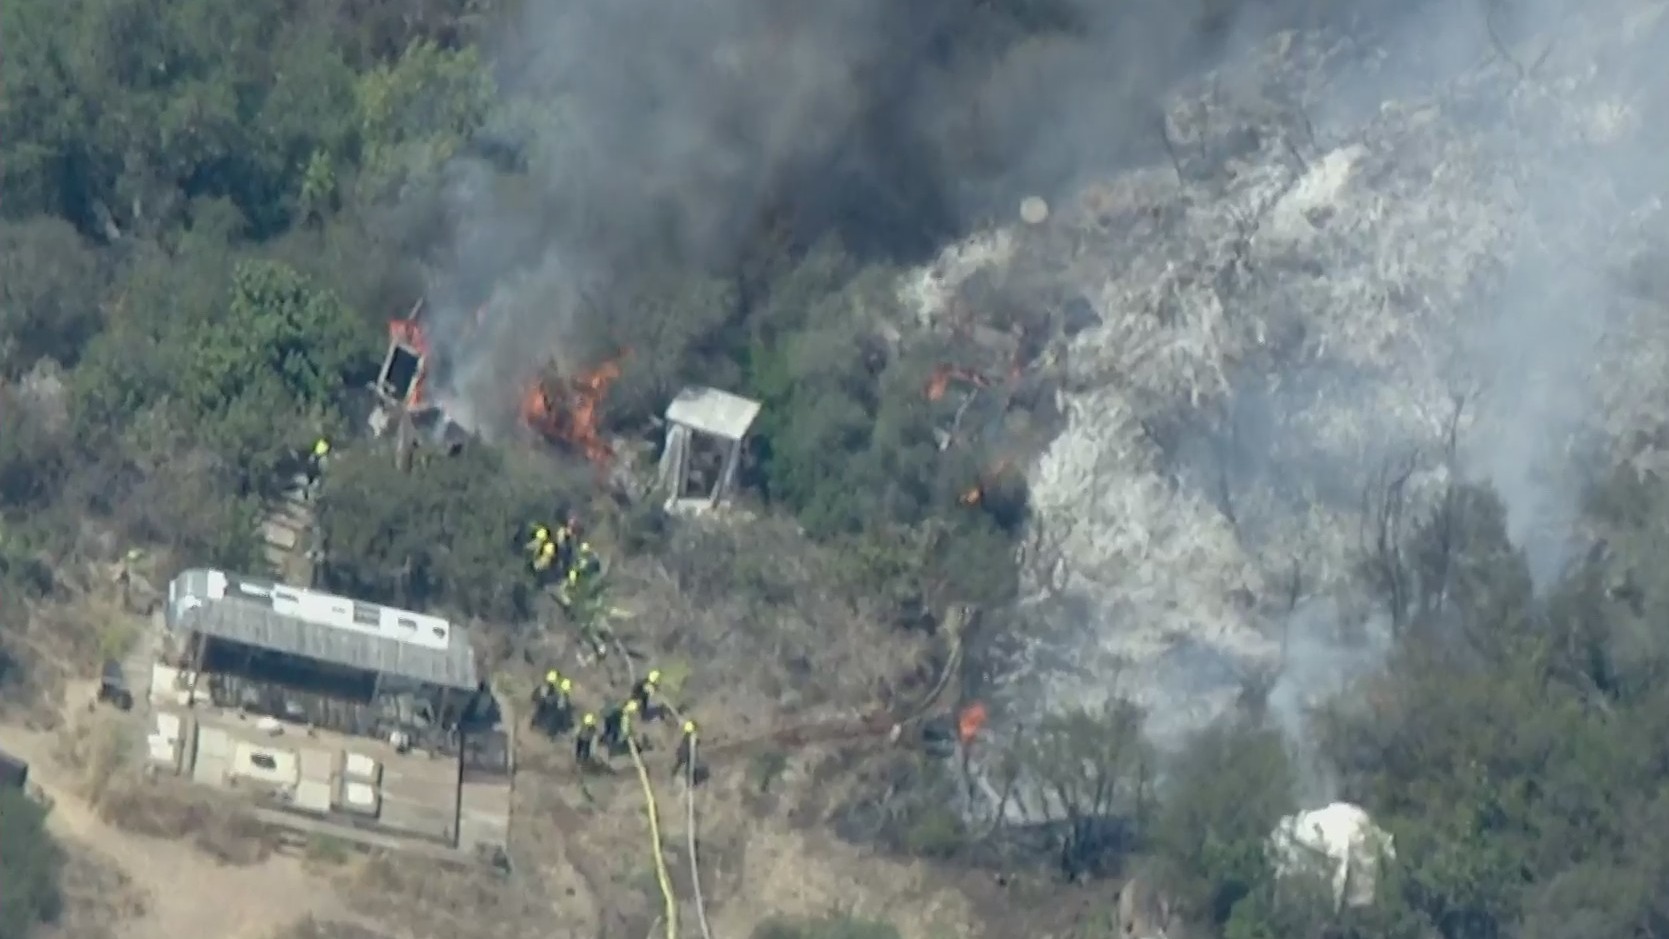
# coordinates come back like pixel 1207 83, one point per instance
pixel 654 676
pixel 585 546
pixel 631 707
pixel 566 686
pixel 321 446
pixel 589 720
pixel 552 677
pixel 689 727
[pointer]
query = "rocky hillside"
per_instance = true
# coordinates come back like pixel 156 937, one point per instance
pixel 1348 251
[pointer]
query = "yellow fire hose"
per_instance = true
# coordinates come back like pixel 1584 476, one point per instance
pixel 655 837
pixel 695 865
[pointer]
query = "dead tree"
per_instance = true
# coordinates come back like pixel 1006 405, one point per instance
pixel 1384 520
pixel 1093 775
pixel 1441 533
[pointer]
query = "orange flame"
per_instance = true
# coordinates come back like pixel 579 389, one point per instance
pixel 409 333
pixel 943 375
pixel 567 413
pixel 975 494
pixel 970 722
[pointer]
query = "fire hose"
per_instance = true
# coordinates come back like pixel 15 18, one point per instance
pixel 654 825
pixel 655 838
pixel 689 828
pixel 869 725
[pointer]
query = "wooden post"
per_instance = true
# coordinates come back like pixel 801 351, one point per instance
pixel 727 475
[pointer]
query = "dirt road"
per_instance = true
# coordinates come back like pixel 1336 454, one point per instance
pixel 187 893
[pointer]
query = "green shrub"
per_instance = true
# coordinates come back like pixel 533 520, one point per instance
pixel 30 864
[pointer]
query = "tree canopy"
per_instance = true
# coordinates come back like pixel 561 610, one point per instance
pixel 208 211
pixel 29 866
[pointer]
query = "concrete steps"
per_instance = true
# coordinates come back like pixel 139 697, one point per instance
pixel 287 534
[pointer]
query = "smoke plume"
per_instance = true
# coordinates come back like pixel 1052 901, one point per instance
pixel 1351 227
pixel 1441 206
pixel 673 132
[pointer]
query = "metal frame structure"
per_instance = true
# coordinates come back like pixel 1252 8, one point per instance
pixel 303 655
pixel 699 412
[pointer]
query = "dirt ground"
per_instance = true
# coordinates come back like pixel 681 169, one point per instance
pixel 754 644
pixel 168 888
pixel 756 647
pixel 120 883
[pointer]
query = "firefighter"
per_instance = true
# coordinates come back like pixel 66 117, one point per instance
pixel 628 722
pixel 566 536
pixel 547 702
pixel 587 562
pixel 316 461
pixel 686 750
pixel 538 535
pixel 544 558
pixel 584 738
pixel 644 691
pixel 558 707
pixel 611 725
pixel 617 725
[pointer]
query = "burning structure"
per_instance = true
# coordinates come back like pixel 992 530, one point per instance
pixel 706 429
pixel 567 412
pixel 326 661
pixel 401 389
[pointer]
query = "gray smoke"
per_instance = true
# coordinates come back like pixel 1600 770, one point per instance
pixel 670 131
pixel 1498 164
pixel 1352 228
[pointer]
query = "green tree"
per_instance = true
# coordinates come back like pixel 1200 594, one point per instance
pixel 51 286
pixel 284 350
pixel 29 867
pixel 445 534
pixel 121 111
pixel 417 113
pixel 1231 785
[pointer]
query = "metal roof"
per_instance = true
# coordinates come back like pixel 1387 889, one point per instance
pixel 712 411
pixel 321 626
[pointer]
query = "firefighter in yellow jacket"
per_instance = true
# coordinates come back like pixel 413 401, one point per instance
pixel 584 738
pixel 544 558
pixel 316 460
pixel 538 535
pixel 686 750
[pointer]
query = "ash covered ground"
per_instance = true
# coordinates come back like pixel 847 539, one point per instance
pixel 1345 251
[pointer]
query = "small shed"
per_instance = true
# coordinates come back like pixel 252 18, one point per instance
pixel 706 429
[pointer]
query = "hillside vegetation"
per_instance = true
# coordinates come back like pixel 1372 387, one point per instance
pixel 208 211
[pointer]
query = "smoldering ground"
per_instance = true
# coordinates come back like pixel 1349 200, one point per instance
pixel 1379 229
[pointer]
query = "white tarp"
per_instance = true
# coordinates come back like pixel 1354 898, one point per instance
pixel 1340 843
